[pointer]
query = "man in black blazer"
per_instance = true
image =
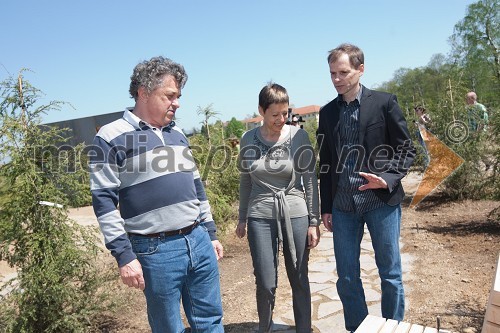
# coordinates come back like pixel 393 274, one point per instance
pixel 365 151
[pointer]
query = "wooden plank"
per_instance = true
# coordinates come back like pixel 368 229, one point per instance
pixel 491 322
pixel 495 292
pixel 416 329
pixel 493 314
pixel 490 328
pixel 403 327
pixel 389 326
pixel 495 298
pixel 371 324
pixel 430 330
pixel 496 280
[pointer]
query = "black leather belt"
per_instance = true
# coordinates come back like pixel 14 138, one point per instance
pixel 182 231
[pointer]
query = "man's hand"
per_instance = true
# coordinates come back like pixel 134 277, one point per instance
pixel 374 182
pixel 327 221
pixel 241 229
pixel 219 250
pixel 131 275
pixel 313 236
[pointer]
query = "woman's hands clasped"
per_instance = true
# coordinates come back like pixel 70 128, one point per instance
pixel 313 234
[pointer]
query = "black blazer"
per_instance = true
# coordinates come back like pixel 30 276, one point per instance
pixel 385 142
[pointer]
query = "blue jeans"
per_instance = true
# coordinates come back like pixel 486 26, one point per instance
pixel 180 266
pixel 384 226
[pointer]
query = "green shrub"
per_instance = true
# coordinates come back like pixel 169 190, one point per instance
pixel 60 286
pixel 217 163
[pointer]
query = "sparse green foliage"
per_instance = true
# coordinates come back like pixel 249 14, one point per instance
pixel 441 87
pixel 311 127
pixel 235 128
pixel 208 113
pixel 59 286
pixel 216 160
pixel 476 45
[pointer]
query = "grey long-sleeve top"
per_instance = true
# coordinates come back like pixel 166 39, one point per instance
pixel 283 169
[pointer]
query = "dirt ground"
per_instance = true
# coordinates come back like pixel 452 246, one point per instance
pixel 454 246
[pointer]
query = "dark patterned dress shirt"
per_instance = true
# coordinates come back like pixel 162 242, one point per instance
pixel 351 155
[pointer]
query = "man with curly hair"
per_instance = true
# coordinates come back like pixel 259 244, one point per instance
pixel 152 207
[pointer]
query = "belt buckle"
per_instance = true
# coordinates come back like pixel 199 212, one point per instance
pixel 179 232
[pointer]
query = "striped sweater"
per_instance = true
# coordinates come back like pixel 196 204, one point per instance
pixel 144 180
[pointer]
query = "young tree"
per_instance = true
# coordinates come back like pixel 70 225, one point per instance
pixel 217 163
pixel 207 112
pixel 58 282
pixel 441 87
pixel 476 46
pixel 235 128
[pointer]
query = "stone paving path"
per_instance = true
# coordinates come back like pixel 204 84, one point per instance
pixel 326 306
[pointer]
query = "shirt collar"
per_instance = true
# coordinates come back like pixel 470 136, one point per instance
pixel 341 101
pixel 138 123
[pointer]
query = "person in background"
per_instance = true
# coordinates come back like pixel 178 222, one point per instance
pixel 476 113
pixel 422 121
pixel 295 121
pixel 478 125
pixel 279 203
pixel 365 151
pixel 162 236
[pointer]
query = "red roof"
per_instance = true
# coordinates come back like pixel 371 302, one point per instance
pixel 306 110
pixel 257 119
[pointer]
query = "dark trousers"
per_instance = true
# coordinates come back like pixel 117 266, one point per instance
pixel 263 242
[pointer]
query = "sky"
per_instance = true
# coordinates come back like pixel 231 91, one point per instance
pixel 83 52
